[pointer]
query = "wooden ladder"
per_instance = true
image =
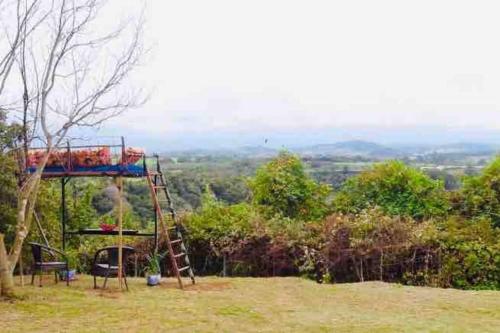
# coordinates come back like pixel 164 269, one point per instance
pixel 162 202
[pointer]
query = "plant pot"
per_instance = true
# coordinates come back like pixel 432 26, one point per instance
pixel 153 280
pixel 71 275
pixel 107 227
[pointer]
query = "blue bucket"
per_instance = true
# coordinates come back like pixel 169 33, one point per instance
pixel 71 275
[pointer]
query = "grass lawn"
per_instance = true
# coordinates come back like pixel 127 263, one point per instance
pixel 249 305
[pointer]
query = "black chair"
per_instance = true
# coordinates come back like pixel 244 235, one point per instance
pixel 106 263
pixel 40 265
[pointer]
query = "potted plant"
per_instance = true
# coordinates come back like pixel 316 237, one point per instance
pixel 153 272
pixel 107 224
pixel 73 261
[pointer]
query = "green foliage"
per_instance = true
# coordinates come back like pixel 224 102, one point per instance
pixel 154 260
pixel 102 203
pixel 481 194
pixel 8 194
pixel 73 258
pixel 8 181
pixel 130 219
pixel 48 210
pixel 392 234
pixel 231 190
pixel 215 220
pixel 470 254
pixel 283 187
pixel 397 189
pixel 81 210
pixel 9 133
pixel 186 189
pixel 138 196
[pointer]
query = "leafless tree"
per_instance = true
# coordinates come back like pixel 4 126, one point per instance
pixel 28 17
pixel 70 74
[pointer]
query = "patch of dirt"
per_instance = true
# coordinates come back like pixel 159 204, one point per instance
pixel 199 286
pixel 107 293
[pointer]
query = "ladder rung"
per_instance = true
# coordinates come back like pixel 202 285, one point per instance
pixel 176 241
pixel 178 255
pixel 159 186
pixel 183 268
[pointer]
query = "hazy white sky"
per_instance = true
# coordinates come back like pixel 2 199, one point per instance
pixel 273 65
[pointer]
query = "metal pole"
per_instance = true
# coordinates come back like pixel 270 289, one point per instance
pixel 68 161
pixel 156 219
pixel 63 212
pixel 120 231
pixel 123 151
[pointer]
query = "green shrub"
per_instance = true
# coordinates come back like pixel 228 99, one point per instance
pixel 481 194
pixel 284 188
pixel 397 189
pixel 470 251
pixel 215 220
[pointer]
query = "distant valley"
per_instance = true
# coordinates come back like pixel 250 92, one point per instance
pixel 355 148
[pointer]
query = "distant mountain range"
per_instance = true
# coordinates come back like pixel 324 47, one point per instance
pixel 351 149
pixel 454 148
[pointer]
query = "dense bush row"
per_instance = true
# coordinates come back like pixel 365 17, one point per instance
pixel 390 223
pixel 343 248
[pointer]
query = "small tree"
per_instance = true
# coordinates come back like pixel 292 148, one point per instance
pixel 396 188
pixel 283 186
pixel 481 194
pixel 68 74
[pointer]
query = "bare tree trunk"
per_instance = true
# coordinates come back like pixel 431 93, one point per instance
pixel 7 279
pixel 21 270
pixel 26 204
pixel 74 49
pixel 25 208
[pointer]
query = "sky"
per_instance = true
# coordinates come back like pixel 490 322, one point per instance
pixel 233 72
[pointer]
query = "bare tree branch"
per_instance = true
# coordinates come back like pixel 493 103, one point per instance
pixel 70 74
pixel 27 21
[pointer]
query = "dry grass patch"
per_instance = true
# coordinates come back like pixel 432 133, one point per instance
pixel 250 305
